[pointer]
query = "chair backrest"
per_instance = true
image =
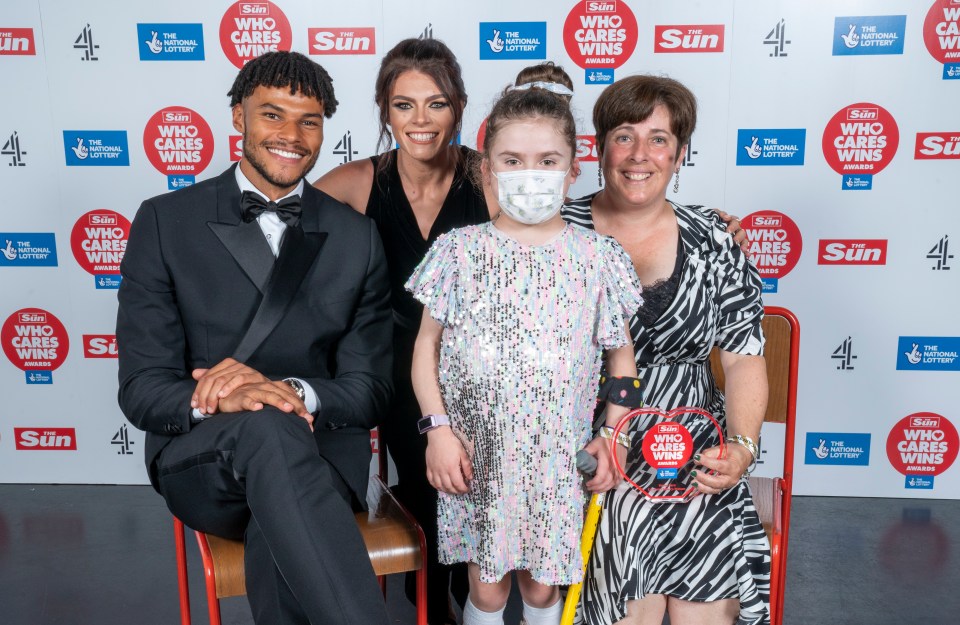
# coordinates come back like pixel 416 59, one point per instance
pixel 781 353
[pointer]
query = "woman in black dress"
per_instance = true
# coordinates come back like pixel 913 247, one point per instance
pixel 415 193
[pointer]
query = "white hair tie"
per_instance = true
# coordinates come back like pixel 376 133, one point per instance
pixel 553 87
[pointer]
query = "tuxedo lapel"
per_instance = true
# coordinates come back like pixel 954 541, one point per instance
pixel 244 240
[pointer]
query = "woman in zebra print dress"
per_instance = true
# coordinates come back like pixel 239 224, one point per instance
pixel 707 561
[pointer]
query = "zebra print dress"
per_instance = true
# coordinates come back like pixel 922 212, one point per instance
pixel 713 547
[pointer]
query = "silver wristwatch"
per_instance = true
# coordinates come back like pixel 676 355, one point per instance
pixel 297 387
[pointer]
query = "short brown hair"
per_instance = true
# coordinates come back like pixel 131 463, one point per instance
pixel 427 56
pixel 632 99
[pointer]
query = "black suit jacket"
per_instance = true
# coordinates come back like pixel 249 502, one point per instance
pixel 193 274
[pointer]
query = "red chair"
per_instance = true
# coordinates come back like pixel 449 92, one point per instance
pixel 772 496
pixel 394 540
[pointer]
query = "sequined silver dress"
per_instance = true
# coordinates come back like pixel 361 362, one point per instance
pixel 524 330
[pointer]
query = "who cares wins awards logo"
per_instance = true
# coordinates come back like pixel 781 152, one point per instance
pixel 859 141
pixel 941 34
pixel 600 36
pixel 921 446
pixel 249 29
pixel 36 342
pixel 99 240
pixel 179 144
pixel 774 246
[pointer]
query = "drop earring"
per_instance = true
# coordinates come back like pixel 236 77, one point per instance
pixel 600 177
pixel 676 183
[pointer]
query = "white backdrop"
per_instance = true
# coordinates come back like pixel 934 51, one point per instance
pixel 864 260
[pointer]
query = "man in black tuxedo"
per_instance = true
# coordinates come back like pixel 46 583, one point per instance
pixel 274 445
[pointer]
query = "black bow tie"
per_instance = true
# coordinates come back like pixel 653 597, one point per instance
pixel 253 204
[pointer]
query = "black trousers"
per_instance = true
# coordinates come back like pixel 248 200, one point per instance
pixel 258 476
pixel 408 447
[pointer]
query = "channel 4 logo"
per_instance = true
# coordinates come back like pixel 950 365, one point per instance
pixel 170 42
pixel 513 40
pixel 868 35
pixel 770 146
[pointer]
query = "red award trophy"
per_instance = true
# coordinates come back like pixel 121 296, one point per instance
pixel 662 466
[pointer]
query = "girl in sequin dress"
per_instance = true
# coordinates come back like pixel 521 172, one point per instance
pixel 518 313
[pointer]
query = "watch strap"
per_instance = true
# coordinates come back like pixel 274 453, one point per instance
pixel 431 422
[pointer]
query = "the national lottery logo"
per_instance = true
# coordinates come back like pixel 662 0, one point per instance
pixel 941 35
pixel 774 245
pixel 868 35
pixel 513 40
pixel 928 353
pixel 178 140
pixel 923 444
pixel 17 42
pixel 600 35
pixel 598 76
pixel 96 148
pixel 860 139
pixel 249 29
pixel 688 38
pixel 342 40
pixel 765 146
pixel 28 249
pixel 937 145
pixel 100 346
pixel 45 439
pixel 34 340
pixel 837 448
pixel 852 252
pixel 99 240
pixel 170 42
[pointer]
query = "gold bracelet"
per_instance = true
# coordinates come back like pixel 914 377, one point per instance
pixel 622 438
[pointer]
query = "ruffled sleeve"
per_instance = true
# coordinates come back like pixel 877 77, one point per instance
pixel 435 282
pixel 619 293
pixel 739 297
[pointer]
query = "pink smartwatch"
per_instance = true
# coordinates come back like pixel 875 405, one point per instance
pixel 432 421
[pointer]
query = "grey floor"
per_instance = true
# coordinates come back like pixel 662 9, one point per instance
pixel 103 555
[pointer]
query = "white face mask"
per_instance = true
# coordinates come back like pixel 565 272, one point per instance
pixel 530 196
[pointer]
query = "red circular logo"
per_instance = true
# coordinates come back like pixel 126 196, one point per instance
pixel 178 141
pixel 667 445
pixel 600 33
pixel 860 139
pixel 775 243
pixel 34 340
pixel 98 240
pixel 941 31
pixel 249 29
pixel 923 443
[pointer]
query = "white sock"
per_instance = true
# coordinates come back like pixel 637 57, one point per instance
pixel 542 616
pixel 472 615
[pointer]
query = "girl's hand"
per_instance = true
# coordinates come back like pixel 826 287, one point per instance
pixel 449 469
pixel 606 476
pixel 726 472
